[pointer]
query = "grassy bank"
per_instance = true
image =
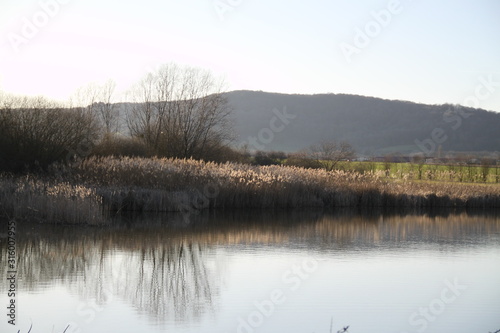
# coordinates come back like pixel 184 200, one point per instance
pixel 98 187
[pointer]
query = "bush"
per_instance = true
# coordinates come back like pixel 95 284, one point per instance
pixel 268 158
pixel 118 145
pixel 34 133
pixel 222 153
pixel 301 160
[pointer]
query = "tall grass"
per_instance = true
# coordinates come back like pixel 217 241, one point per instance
pixel 98 186
pixel 29 198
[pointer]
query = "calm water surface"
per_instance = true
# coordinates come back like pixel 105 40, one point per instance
pixel 267 272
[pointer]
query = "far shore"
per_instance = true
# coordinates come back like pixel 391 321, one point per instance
pixel 97 188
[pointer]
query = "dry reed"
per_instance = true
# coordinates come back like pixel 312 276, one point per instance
pixel 29 198
pixel 97 186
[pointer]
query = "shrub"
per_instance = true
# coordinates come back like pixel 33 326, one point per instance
pixel 267 158
pixel 118 145
pixel 34 133
pixel 302 160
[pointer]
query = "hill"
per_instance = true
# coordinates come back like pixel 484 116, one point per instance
pixel 271 121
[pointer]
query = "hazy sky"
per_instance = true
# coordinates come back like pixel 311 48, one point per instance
pixel 421 50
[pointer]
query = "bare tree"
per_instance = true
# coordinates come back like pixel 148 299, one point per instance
pixel 142 116
pixel 86 96
pixel 180 112
pixel 329 153
pixel 106 108
pixel 98 99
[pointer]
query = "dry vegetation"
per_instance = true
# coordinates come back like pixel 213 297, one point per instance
pixel 88 192
pixel 29 198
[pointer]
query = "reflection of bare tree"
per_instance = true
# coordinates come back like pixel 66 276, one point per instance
pixel 169 281
pixel 166 279
pixel 169 270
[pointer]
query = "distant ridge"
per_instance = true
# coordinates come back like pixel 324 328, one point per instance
pixel 372 125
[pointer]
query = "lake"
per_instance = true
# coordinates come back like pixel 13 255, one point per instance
pixel 237 271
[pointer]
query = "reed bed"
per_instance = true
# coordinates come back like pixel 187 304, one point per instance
pixel 31 199
pixel 98 186
pixel 168 182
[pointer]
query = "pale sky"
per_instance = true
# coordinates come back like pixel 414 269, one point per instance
pixel 418 50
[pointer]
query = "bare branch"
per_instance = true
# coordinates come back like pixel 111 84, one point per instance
pixel 180 112
pixel 329 153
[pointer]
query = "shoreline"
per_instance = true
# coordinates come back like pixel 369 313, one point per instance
pixel 99 188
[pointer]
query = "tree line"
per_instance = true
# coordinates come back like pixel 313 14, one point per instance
pixel 176 112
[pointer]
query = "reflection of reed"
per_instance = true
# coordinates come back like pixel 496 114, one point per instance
pixel 312 228
pixel 163 268
pixel 401 228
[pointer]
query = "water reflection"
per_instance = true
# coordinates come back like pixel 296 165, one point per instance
pixel 162 276
pixel 169 270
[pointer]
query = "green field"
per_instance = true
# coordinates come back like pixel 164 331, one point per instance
pixel 428 172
